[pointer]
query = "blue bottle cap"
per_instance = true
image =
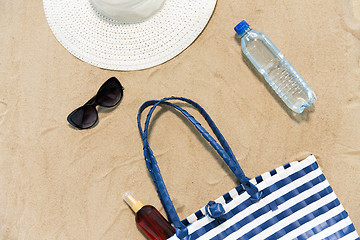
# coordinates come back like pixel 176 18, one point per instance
pixel 241 27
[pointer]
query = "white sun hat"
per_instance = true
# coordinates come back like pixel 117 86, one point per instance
pixel 127 34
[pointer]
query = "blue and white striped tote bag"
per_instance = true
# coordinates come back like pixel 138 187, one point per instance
pixel 294 201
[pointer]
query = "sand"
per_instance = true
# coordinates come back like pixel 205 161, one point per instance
pixel 60 183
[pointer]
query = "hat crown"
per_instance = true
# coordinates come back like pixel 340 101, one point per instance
pixel 128 11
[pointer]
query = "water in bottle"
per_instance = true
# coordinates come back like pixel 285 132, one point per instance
pixel 277 71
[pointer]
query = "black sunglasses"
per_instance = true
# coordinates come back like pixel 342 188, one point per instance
pixel 109 95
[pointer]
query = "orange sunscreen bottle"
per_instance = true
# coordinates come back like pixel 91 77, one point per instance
pixel 149 220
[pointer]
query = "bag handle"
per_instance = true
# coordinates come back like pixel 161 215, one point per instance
pixel 214 128
pixel 224 151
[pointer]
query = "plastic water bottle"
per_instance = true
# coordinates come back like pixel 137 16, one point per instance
pixel 277 71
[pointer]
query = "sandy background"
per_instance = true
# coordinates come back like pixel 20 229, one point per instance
pixel 60 183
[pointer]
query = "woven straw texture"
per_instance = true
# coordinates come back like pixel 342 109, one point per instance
pixel 109 44
pixel 298 204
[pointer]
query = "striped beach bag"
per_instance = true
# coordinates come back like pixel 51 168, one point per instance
pixel 294 201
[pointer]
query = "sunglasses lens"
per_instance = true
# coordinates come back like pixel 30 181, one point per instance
pixel 110 93
pixel 83 117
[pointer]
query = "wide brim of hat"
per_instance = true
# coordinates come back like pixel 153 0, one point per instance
pixel 110 44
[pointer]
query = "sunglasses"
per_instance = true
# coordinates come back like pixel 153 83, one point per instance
pixel 109 95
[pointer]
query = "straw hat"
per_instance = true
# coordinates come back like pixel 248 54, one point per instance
pixel 127 34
